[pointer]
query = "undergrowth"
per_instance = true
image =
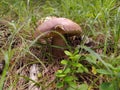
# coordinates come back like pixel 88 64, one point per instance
pixel 92 64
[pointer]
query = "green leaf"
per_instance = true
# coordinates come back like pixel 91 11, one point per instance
pixel 91 59
pixel 76 57
pixel 68 78
pixel 103 71
pixel 68 53
pixel 60 73
pixel 67 70
pixel 72 84
pixel 82 69
pixel 71 88
pixel 110 65
pixel 79 70
pixel 85 69
pixel 77 64
pixel 83 87
pixel 117 69
pixel 64 62
pixel 60 84
pixel 76 51
pixel 106 86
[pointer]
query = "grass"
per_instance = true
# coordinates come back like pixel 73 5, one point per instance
pixel 100 21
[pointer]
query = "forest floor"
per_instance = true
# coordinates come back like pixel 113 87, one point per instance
pixel 92 62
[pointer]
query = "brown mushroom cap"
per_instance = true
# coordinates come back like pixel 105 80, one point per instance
pixel 62 25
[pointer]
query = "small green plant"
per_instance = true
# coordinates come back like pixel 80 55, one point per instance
pixel 114 78
pixel 108 69
pixel 7 57
pixel 66 76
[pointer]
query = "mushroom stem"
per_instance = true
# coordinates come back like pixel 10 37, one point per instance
pixel 56 51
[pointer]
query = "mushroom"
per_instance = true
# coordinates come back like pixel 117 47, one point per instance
pixel 61 25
